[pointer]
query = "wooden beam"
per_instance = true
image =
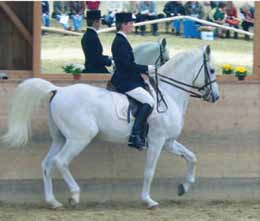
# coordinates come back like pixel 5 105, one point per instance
pixel 257 40
pixel 17 22
pixel 37 37
pixel 17 74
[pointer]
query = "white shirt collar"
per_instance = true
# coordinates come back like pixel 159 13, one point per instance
pixel 122 33
pixel 92 28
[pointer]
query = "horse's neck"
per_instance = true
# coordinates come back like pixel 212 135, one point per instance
pixel 147 54
pixel 180 97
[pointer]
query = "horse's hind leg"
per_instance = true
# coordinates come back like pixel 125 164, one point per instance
pixel 48 163
pixel 180 150
pixel 71 149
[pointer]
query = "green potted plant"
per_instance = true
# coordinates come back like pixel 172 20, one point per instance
pixel 227 69
pixel 74 69
pixel 241 73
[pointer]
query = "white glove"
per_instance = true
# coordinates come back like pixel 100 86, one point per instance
pixel 151 70
pixel 112 62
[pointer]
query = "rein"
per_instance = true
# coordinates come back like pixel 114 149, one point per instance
pixel 155 84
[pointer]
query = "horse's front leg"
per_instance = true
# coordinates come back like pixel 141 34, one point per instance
pixel 180 150
pixel 153 153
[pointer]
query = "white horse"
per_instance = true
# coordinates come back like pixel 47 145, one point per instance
pixel 79 113
pixel 151 52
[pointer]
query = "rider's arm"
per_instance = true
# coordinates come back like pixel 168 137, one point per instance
pixel 125 59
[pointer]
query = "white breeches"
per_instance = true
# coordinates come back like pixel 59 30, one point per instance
pixel 142 96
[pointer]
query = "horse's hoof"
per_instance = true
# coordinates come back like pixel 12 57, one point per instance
pixel 153 207
pixel 181 190
pixel 73 202
pixel 56 205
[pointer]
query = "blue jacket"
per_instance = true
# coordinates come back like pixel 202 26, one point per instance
pixel 127 75
pixel 95 61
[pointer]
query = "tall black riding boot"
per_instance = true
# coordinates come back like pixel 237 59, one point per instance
pixel 136 139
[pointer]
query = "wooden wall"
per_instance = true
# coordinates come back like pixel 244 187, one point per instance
pixel 16 28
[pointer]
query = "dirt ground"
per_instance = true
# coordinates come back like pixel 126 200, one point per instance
pixel 169 210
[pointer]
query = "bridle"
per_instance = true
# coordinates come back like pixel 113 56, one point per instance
pixel 181 85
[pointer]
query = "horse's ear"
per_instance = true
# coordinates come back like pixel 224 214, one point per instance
pixel 208 49
pixel 163 42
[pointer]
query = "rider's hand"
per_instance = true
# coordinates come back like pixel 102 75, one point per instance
pixel 111 60
pixel 151 70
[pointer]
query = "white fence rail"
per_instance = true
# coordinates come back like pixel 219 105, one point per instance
pixel 162 20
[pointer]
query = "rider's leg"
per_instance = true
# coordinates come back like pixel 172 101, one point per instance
pixel 136 139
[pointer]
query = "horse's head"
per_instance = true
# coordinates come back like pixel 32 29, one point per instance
pixel 205 79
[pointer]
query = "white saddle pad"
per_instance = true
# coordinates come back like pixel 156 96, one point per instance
pixel 121 104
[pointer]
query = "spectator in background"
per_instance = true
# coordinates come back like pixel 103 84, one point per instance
pixel 218 15
pixel 113 8
pixel 191 28
pixel 214 4
pixel 147 11
pixel 46 15
pixel 92 5
pixel 232 18
pixel 61 12
pixel 194 9
pixel 131 6
pixel 171 9
pixel 77 9
pixel 247 14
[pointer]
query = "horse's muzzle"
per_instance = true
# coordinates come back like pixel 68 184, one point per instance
pixel 215 98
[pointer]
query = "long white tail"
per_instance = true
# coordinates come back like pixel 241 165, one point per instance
pixel 27 99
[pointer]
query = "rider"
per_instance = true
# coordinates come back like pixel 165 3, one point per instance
pixel 95 61
pixel 127 78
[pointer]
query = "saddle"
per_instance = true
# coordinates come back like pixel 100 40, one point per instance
pixel 134 105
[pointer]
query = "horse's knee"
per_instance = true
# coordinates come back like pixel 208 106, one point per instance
pixel 59 163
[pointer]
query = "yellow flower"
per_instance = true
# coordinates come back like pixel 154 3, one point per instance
pixel 241 69
pixel 227 67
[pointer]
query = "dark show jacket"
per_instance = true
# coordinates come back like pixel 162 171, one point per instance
pixel 95 61
pixel 127 75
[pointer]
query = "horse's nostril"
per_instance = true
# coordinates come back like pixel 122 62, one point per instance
pixel 215 98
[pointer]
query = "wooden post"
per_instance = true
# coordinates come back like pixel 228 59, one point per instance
pixel 257 41
pixel 36 38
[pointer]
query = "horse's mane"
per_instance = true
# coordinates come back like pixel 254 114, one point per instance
pixel 146 46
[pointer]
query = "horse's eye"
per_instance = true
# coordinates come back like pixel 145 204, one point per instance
pixel 212 70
